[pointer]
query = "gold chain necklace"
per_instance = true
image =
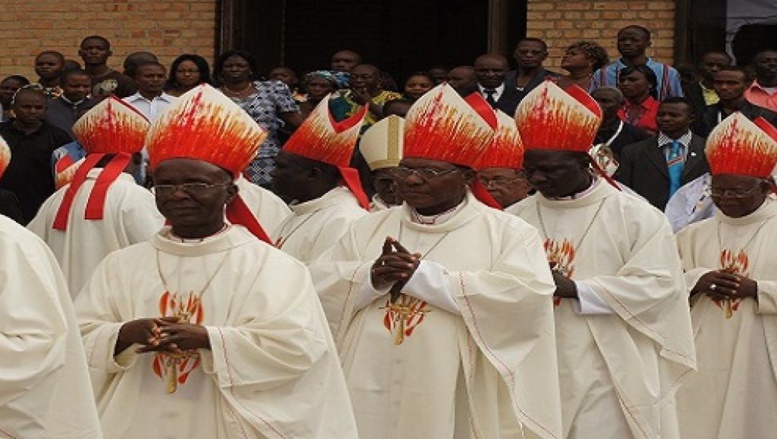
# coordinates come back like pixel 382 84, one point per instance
pixel 207 284
pixel 588 229
pixel 282 237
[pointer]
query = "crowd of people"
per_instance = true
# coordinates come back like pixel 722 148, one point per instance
pixel 475 252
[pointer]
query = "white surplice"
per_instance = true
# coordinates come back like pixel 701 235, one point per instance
pixel 626 346
pixel 480 361
pixel 734 393
pixel 267 207
pixel 130 216
pixel 316 225
pixel 44 384
pixel 272 370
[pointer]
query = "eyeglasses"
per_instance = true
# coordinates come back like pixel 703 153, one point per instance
pixel 733 193
pixel 498 182
pixel 403 172
pixel 195 189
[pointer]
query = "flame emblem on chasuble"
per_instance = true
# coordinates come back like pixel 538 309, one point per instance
pixel 734 263
pixel 403 316
pixel 561 255
pixel 175 368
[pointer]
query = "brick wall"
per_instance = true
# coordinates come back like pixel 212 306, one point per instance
pixel 563 22
pixel 165 27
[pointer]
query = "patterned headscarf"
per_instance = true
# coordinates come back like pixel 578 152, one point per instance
pixel 339 79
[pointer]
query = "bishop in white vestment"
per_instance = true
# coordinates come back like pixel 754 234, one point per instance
pixel 731 271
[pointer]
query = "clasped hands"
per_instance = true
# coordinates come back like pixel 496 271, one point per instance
pixel 395 265
pixel 165 334
pixel 721 285
pixel 565 287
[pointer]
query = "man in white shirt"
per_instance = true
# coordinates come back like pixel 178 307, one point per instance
pixel 150 99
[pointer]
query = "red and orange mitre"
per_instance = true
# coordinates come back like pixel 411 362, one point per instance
pixel 558 119
pixel 739 146
pixel 203 124
pixel 111 127
pixel 442 126
pixel 322 138
pixel 506 147
pixel 5 156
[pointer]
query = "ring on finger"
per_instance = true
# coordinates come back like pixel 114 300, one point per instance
pixel 713 287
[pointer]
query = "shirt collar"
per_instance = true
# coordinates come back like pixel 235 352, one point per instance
pixel 139 97
pixel 664 140
pixel 497 91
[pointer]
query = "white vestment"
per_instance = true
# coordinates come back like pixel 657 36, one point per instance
pixel 734 393
pixel 475 358
pixel 44 385
pixel 267 207
pixel 272 370
pixel 316 225
pixel 130 216
pixel 625 346
pixel 377 204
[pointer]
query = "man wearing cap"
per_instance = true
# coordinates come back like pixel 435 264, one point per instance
pixel 731 273
pixel 381 146
pixel 623 328
pixel 312 173
pixel 205 332
pixel 438 341
pixel 103 209
pixel 44 383
pixel 500 170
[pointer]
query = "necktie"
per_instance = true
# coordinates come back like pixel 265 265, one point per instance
pixel 675 164
pixel 490 92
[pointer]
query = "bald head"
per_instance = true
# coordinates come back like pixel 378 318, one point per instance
pixel 490 70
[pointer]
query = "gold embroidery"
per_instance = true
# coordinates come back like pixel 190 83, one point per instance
pixel 403 316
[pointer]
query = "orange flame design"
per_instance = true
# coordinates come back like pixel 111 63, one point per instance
pixel 561 256
pixel 5 156
pixel 111 127
pixel 403 316
pixel 177 368
pixel 203 124
pixel 551 118
pixel 736 264
pixel 740 147
pixel 442 126
pixel 506 147
pixel 321 138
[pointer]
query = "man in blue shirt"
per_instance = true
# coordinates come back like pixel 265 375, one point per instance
pixel 633 41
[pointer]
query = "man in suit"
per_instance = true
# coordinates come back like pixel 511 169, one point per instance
pixel 490 70
pixel 702 93
pixel 655 168
pixel 730 85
